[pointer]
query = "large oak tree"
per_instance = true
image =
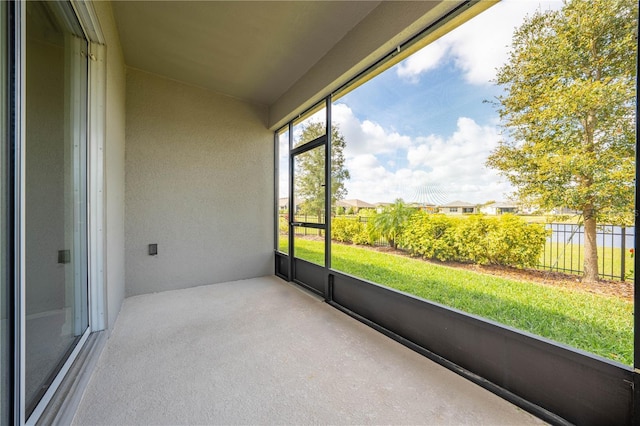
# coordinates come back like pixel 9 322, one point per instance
pixel 568 111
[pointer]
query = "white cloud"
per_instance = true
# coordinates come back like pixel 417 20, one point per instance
pixel 469 143
pixel 456 162
pixel 478 47
pixel 378 184
pixel 422 61
pixel 366 136
pixel 385 165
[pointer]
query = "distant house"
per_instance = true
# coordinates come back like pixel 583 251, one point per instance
pixel 564 211
pixel 428 207
pixel 524 209
pixel 499 208
pixel 458 208
pixel 355 205
pixel 283 205
pixel 381 206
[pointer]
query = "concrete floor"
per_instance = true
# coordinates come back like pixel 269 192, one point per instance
pixel 262 351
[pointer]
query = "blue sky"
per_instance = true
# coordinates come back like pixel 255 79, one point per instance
pixel 421 107
pixel 423 123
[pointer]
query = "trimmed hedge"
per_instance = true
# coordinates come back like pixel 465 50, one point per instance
pixel 505 240
pixel 431 236
pixel 351 230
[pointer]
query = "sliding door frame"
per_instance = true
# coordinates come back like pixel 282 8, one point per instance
pixel 14 170
pixel 15 204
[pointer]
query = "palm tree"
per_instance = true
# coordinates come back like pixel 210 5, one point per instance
pixel 390 221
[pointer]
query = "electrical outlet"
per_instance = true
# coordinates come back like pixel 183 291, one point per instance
pixel 64 256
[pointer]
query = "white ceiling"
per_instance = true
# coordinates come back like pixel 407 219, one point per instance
pixel 250 50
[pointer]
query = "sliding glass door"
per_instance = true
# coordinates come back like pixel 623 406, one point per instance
pixel 55 194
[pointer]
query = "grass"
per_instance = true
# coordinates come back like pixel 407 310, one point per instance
pixel 598 324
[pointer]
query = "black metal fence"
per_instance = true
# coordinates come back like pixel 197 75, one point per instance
pixel 305 231
pixel 563 251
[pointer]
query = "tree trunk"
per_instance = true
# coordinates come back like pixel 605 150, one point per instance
pixel 590 248
pixel 588 211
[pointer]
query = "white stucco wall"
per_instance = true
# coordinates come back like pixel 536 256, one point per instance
pixel 199 183
pixel 114 163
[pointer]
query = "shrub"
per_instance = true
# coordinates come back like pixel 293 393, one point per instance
pixel 349 230
pixel 362 237
pixel 471 238
pixel 507 240
pixel 390 222
pixel 430 236
pixel 515 242
pixel 283 225
pixel 372 233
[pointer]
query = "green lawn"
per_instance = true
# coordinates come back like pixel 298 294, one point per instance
pixel 597 324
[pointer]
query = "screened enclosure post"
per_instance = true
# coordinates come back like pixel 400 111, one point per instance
pixel 623 252
pixel 327 192
pixel 292 204
pixel 636 263
pixel 276 195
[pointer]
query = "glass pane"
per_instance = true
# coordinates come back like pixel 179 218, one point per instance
pixel 309 244
pixel 310 127
pixel 5 344
pixel 309 204
pixel 309 186
pixel 56 220
pixel 465 153
pixel 283 192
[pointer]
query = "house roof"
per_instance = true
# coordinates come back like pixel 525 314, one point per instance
pixel 355 203
pixel 459 203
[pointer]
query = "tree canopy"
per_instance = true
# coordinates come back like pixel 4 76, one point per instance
pixel 568 112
